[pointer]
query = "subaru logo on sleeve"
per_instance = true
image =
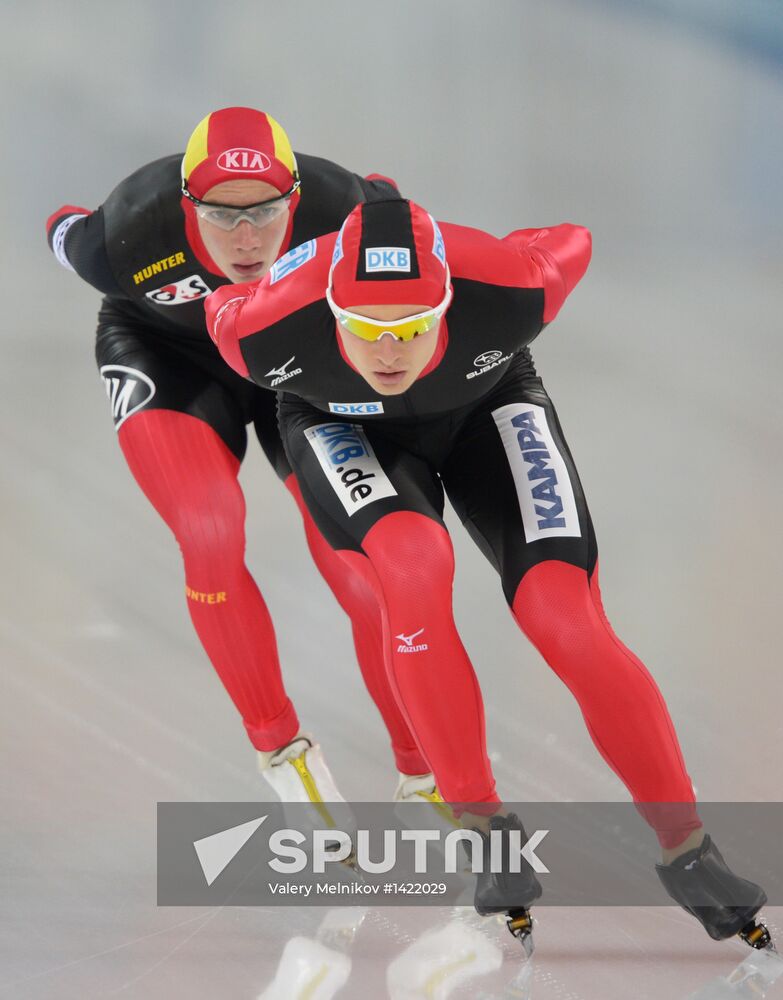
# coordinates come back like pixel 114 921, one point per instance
pixel 487 358
pixel 487 361
pixel 543 485
pixel 349 463
pixel 387 259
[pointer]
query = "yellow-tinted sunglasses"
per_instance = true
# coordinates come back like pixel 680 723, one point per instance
pixel 401 329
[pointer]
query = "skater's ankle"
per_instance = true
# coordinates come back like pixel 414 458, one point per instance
pixel 480 821
pixel 266 758
pixel 693 841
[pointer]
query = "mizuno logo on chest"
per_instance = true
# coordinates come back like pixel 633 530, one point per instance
pixel 281 375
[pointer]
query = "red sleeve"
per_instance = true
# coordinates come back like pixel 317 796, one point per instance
pixel 63 213
pixel 381 177
pixel 234 312
pixel 221 309
pixel 561 253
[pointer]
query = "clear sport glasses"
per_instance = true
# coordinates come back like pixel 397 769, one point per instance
pixel 228 217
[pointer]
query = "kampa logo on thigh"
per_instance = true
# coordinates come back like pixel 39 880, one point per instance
pixel 543 485
pixel 350 465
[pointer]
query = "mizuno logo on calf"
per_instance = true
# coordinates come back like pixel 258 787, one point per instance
pixel 409 645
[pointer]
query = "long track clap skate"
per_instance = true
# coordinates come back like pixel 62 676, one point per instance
pixel 725 904
pixel 298 773
pixel 508 891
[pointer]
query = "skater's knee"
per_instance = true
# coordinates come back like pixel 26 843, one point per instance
pixel 554 608
pixel 189 475
pixel 412 555
pixel 210 526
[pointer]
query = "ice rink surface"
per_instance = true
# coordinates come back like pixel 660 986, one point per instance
pixel 656 124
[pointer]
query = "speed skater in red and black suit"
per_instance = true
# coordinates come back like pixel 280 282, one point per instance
pixel 170 233
pixel 414 378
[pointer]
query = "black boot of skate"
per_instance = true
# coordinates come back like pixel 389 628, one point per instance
pixel 508 891
pixel 725 904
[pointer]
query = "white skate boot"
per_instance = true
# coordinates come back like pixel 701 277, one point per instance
pixel 309 969
pixel 318 969
pixel 299 774
pixel 443 960
pixel 432 812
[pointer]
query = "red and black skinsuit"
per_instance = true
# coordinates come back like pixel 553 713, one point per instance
pixel 181 417
pixel 479 425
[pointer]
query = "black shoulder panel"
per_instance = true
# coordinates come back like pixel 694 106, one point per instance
pixel 85 248
pixel 143 214
pixel 329 192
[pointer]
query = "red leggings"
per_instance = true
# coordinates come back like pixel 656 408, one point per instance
pixel 190 477
pixel 559 608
